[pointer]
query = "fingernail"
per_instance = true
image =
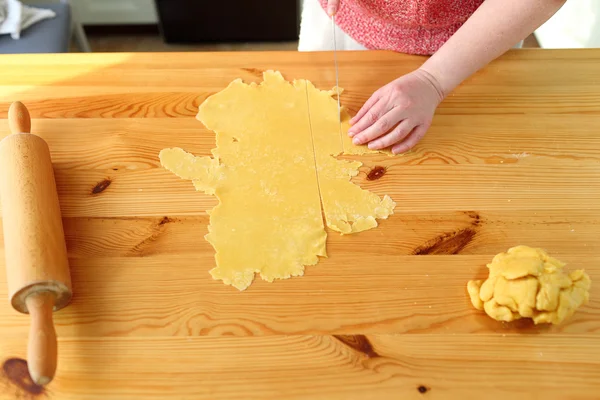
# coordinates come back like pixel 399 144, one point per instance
pixel 356 140
pixel 372 146
pixel 331 11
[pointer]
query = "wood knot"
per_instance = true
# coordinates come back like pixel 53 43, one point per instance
pixel 254 71
pixel 16 371
pixel 101 186
pixel 423 389
pixel 165 220
pixel 376 173
pixel 447 243
pixel 359 343
pixel 474 216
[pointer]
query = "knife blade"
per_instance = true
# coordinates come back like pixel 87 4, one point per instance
pixel 337 77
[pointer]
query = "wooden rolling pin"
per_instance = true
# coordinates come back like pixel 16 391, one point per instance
pixel 37 267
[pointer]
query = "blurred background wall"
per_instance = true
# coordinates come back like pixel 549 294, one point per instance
pixel 195 25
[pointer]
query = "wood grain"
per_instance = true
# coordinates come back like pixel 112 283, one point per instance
pixel 482 233
pixel 429 188
pixel 501 88
pixel 105 144
pixel 513 157
pixel 175 295
pixel 325 367
pixel 125 152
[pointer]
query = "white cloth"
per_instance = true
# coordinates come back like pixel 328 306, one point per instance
pixel 15 17
pixel 316 33
pixel 575 25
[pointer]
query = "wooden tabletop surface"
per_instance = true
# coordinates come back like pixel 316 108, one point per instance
pixel 513 157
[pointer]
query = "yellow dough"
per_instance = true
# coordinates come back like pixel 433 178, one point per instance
pixel 204 172
pixel 273 168
pixel 526 282
pixel 347 207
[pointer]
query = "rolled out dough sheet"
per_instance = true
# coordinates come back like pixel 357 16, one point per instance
pixel 275 174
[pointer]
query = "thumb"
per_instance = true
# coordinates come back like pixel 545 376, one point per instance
pixel 332 7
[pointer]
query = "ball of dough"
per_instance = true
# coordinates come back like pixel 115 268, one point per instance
pixel 526 282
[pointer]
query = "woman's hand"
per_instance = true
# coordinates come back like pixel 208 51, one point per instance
pixel 398 114
pixel 332 6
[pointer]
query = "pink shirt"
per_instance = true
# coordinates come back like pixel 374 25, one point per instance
pixel 405 26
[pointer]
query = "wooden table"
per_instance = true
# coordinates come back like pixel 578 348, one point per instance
pixel 513 157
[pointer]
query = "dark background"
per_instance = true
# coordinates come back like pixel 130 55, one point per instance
pixel 194 21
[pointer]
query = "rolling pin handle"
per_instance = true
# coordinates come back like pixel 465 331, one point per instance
pixel 42 347
pixel 19 120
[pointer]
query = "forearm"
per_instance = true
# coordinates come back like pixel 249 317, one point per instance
pixel 494 28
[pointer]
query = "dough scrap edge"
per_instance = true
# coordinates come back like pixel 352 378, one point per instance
pixel 353 224
pixel 206 183
pixel 248 275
